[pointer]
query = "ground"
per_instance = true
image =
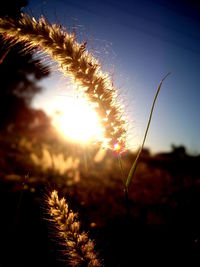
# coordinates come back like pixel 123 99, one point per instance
pixel 159 224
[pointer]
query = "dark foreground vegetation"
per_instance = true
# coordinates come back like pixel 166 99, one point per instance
pixel 160 223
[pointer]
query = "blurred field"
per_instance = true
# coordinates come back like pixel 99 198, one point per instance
pixel 160 224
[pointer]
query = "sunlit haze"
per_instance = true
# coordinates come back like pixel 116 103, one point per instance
pixel 77 121
pixel 70 111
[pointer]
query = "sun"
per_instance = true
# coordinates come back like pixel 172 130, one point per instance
pixel 77 121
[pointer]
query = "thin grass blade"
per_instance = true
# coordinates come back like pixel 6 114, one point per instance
pixel 135 163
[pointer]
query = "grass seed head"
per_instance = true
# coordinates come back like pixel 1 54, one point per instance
pixel 77 63
pixel 80 249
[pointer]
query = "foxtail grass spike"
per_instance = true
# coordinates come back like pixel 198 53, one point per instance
pixel 80 249
pixel 76 62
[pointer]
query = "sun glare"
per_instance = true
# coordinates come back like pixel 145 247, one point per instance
pixel 77 121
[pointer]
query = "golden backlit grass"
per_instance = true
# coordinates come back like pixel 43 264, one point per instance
pixel 80 249
pixel 77 63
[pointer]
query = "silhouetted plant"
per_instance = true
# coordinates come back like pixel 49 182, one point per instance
pixel 19 71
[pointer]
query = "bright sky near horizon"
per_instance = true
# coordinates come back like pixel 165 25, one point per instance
pixel 139 42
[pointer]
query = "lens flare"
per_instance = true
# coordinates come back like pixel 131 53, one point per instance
pixel 117 147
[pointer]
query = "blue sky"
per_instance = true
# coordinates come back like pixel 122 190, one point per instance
pixel 139 42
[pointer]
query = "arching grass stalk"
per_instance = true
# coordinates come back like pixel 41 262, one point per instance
pixel 135 163
pixel 79 64
pixel 84 69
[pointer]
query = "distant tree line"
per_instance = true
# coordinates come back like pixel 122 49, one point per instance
pixel 19 73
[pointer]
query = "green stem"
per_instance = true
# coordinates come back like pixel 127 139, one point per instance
pixel 134 166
